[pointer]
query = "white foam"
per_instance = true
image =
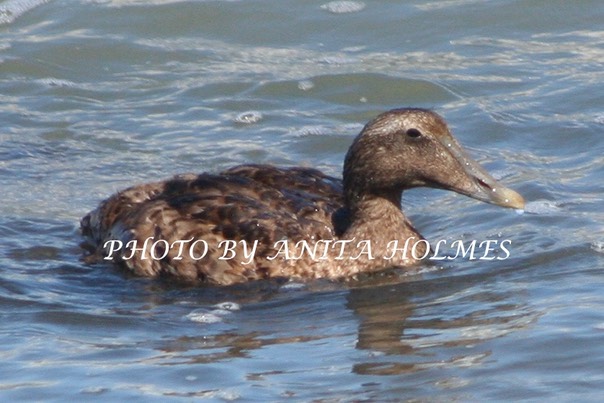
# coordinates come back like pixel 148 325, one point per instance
pixel 598 246
pixel 10 10
pixel 204 317
pixel 249 117
pixel 56 82
pixel 228 306
pixel 217 315
pixel 343 7
pixel 542 207
pixel 305 85
pixel 292 285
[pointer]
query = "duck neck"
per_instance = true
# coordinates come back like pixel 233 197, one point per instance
pixel 379 219
pixel 373 205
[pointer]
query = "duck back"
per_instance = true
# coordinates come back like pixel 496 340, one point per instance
pixel 244 204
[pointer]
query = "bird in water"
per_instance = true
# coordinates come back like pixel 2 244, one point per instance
pixel 255 222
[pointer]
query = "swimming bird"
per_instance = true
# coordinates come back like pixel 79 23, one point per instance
pixel 255 222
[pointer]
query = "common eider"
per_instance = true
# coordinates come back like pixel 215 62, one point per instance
pixel 255 222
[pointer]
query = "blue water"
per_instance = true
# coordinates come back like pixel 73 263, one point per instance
pixel 100 95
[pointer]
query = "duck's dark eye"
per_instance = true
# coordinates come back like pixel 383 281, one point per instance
pixel 413 133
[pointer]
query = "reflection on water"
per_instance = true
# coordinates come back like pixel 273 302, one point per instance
pixel 460 320
pixel 407 323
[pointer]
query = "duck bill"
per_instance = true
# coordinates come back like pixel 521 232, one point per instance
pixel 479 184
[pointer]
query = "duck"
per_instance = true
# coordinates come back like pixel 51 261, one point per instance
pixel 254 222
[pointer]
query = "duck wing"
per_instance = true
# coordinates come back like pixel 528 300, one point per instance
pixel 245 203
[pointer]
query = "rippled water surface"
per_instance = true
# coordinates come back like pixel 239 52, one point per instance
pixel 100 95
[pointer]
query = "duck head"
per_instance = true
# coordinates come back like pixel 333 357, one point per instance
pixel 407 148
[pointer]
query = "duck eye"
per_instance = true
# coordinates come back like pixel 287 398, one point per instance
pixel 413 133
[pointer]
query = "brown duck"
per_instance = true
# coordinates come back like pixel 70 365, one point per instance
pixel 258 221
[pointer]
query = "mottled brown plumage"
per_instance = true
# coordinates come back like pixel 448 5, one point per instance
pixel 398 150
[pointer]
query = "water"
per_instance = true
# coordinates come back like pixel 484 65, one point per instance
pixel 99 95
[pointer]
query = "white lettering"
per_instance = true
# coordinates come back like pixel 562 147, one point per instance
pixel 112 248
